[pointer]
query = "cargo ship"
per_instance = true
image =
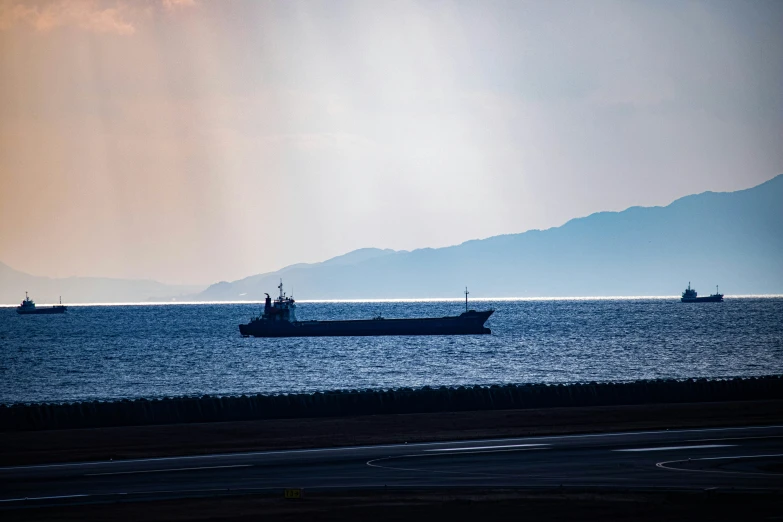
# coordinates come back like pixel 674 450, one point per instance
pixel 28 307
pixel 690 296
pixel 279 320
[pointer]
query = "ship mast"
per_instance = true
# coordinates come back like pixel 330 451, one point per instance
pixel 466 298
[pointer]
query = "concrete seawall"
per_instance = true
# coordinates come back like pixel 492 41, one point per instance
pixel 139 412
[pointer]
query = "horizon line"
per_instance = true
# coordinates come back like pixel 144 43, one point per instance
pixel 407 300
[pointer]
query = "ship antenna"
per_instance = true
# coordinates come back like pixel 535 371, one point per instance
pixel 280 286
pixel 466 298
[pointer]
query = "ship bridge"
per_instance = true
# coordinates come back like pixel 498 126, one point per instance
pixel 283 308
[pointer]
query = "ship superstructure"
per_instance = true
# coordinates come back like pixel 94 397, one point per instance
pixel 691 296
pixel 282 310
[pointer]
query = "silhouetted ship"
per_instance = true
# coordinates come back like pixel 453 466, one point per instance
pixel 279 320
pixel 28 307
pixel 690 296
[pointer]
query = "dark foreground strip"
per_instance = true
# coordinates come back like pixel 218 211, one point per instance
pixel 382 402
pixel 439 504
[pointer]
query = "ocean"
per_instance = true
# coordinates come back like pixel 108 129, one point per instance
pixel 152 351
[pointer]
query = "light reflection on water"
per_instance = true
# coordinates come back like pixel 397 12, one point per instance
pixel 107 352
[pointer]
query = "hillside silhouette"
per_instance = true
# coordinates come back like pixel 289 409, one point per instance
pixel 734 239
pixel 13 285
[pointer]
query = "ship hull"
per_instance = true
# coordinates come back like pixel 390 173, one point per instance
pixel 42 311
pixel 469 323
pixel 711 299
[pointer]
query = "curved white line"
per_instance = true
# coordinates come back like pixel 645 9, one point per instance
pixel 663 465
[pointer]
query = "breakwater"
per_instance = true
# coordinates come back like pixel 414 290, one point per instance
pixel 23 417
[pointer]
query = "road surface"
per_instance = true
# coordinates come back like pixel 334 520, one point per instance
pixel 739 458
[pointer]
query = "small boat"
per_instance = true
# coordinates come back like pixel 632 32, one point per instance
pixel 691 296
pixel 28 307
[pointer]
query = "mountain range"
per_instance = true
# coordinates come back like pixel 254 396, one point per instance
pixel 734 239
pixel 13 285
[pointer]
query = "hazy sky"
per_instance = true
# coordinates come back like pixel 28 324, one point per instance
pixel 195 141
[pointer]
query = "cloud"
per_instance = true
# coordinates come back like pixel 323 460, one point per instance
pixel 174 4
pixel 99 16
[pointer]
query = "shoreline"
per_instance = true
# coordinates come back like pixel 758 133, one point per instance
pixel 379 403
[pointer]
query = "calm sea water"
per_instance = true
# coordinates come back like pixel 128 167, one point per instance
pixel 112 352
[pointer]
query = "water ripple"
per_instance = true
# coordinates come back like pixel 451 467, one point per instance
pixel 114 352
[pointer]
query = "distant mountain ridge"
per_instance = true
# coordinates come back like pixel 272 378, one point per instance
pixel 14 283
pixel 734 239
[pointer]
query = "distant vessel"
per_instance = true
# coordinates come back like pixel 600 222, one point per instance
pixel 279 320
pixel 28 307
pixel 690 296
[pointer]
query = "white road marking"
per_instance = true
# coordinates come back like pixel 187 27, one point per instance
pixel 663 465
pixel 473 448
pixel 380 446
pixel 374 464
pixel 672 448
pixel 166 470
pixel 42 498
pixel 485 451
pixel 762 437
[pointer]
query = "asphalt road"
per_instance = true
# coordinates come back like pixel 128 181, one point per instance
pixel 739 458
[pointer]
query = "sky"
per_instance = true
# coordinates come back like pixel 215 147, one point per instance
pixel 191 142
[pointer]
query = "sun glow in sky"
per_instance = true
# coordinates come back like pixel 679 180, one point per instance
pixel 192 141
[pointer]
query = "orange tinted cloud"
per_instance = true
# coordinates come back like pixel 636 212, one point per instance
pixel 173 4
pixel 100 16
